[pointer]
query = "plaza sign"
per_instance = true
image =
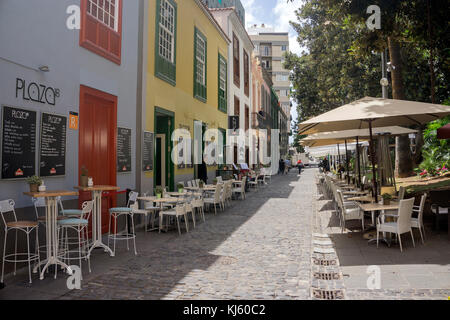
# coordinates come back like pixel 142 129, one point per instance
pixel 36 92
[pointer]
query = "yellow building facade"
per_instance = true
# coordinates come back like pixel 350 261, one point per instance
pixel 187 53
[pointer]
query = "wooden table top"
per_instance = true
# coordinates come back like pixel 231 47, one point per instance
pixel 362 199
pixel 354 192
pixel 159 199
pixel 97 188
pixel 377 206
pixel 51 193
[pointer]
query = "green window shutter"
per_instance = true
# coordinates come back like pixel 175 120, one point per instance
pixel 199 88
pixel 222 93
pixel 164 69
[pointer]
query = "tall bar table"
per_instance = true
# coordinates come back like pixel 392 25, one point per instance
pixel 51 213
pixel 97 216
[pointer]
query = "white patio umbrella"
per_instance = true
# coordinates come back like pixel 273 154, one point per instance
pixel 374 112
pixel 344 136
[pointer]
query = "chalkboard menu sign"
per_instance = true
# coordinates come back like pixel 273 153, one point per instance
pixel 147 151
pixel 123 150
pixel 52 151
pixel 18 143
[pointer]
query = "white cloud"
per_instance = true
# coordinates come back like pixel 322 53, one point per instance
pixel 253 12
pixel 284 12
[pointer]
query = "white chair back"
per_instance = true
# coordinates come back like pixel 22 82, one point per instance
pixel 132 198
pixel 421 208
pixel 7 206
pixel 197 183
pixel 404 215
pixel 180 209
pixel 189 183
pixel 219 179
pixel 86 209
pixel 217 193
pixel 401 193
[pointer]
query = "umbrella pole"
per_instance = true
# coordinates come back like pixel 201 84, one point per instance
pixel 346 160
pixel 339 157
pixel 372 156
pixel 358 158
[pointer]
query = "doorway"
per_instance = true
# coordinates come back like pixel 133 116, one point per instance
pixel 97 144
pixel 160 173
pixel 164 168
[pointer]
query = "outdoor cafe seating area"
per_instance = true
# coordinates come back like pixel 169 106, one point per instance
pixel 72 234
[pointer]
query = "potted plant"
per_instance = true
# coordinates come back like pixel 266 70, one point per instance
pixel 180 187
pixel 34 183
pixel 201 184
pixel 84 176
pixel 214 181
pixel 158 192
pixel 386 198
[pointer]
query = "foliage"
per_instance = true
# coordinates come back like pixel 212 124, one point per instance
pixel 159 190
pixel 386 196
pixel 341 58
pixel 180 186
pixel 34 180
pixel 84 171
pixel 436 153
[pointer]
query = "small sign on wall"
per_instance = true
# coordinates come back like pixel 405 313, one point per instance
pixel 73 120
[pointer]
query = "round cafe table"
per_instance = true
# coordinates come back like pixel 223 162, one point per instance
pixel 97 216
pixel 51 228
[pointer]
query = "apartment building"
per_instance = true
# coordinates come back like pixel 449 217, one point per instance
pixel 270 47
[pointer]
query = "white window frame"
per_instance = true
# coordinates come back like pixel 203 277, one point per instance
pixel 166 43
pixel 94 9
pixel 200 58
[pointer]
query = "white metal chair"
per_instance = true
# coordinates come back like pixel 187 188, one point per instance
pixel 179 211
pixel 189 183
pixel 219 179
pixel 240 190
pixel 215 199
pixel 149 209
pixel 348 211
pixel 267 176
pixel 254 182
pixel 80 226
pixel 115 213
pixel 418 222
pixel 403 223
pixel 7 207
pixel 197 205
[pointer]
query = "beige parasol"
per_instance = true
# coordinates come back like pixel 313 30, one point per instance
pixel 374 112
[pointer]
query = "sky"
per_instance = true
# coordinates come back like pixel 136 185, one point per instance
pixel 275 14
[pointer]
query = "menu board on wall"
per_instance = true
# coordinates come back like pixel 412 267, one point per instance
pixel 123 150
pixel 52 151
pixel 147 151
pixel 18 143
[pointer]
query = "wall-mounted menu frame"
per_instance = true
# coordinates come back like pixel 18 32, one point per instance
pixel 53 145
pixel 18 147
pixel 148 140
pixel 123 150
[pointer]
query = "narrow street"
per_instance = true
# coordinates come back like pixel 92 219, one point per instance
pixel 256 249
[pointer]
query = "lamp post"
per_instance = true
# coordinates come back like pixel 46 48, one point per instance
pixel 384 80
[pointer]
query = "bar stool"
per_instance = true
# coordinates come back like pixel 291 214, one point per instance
pixel 80 226
pixel 7 206
pixel 116 213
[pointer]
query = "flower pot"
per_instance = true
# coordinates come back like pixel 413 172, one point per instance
pixel 180 190
pixel 84 181
pixel 34 187
pixel 386 202
pixel 158 195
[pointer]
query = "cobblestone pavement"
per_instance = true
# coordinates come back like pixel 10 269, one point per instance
pixel 256 249
pixel 421 272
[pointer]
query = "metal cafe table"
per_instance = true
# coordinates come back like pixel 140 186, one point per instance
pixel 97 216
pixel 372 207
pixel 51 213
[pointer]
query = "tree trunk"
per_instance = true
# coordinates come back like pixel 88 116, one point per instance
pixel 431 59
pixel 403 159
pixel 419 144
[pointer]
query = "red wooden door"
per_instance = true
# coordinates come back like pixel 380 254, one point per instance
pixel 97 144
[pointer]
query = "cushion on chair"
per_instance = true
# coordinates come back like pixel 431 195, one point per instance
pixel 71 212
pixel 387 226
pixel 120 209
pixel 67 222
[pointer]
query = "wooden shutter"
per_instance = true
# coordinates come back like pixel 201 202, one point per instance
pixel 236 62
pixel 199 89
pixel 165 69
pixel 246 74
pixel 97 37
pixel 223 93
